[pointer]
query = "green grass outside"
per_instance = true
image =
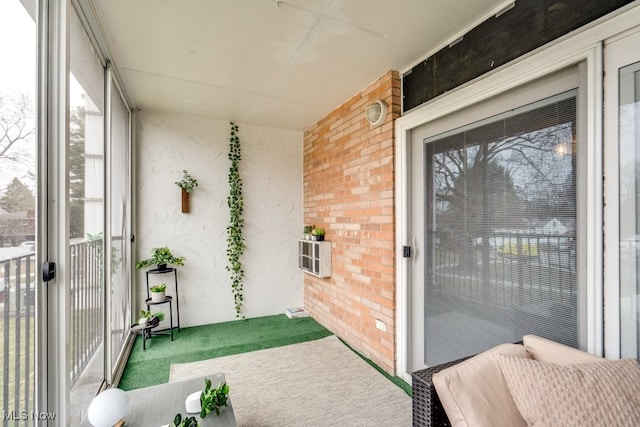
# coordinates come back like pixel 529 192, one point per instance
pixel 25 367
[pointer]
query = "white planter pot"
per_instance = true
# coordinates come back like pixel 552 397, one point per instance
pixel 192 403
pixel 158 296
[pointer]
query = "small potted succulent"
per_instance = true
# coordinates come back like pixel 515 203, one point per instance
pixel 161 257
pixel 158 292
pixel 307 232
pixel 150 319
pixel 318 233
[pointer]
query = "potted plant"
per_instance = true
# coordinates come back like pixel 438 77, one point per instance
pixel 318 233
pixel 178 421
pixel 150 319
pixel 161 257
pixel 158 292
pixel 187 184
pixel 307 232
pixel 213 399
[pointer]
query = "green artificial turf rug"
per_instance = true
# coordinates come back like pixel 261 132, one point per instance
pixel 151 367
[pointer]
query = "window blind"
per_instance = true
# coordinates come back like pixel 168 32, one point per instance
pixel 501 231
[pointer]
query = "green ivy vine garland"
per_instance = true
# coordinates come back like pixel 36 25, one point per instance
pixel 235 239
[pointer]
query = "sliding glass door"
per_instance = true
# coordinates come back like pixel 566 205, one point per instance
pixel 622 215
pixel 119 227
pixel 495 223
pixel 62 336
pixel 629 140
pixel 501 231
pixel 86 262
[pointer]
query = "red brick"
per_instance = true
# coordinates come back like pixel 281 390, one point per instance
pixel 348 188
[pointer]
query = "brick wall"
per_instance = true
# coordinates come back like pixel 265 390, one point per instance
pixel 349 191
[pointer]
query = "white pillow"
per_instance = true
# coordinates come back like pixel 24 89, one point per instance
pixel 545 350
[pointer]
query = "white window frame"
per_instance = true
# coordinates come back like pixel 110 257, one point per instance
pixel 585 45
pixel 52 381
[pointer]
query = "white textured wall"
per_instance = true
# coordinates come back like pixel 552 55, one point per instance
pixel 271 169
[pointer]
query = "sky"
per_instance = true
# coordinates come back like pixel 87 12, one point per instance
pixel 18 46
pixel 17 75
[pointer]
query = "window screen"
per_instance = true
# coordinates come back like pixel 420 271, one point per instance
pixel 629 134
pixel 501 231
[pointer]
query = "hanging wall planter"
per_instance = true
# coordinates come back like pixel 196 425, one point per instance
pixel 185 201
pixel 187 184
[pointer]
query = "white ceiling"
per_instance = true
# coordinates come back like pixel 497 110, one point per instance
pixel 282 64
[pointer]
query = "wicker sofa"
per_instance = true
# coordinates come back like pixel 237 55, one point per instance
pixel 472 373
pixel 427 408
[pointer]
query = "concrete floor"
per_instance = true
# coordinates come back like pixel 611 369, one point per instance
pixel 86 388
